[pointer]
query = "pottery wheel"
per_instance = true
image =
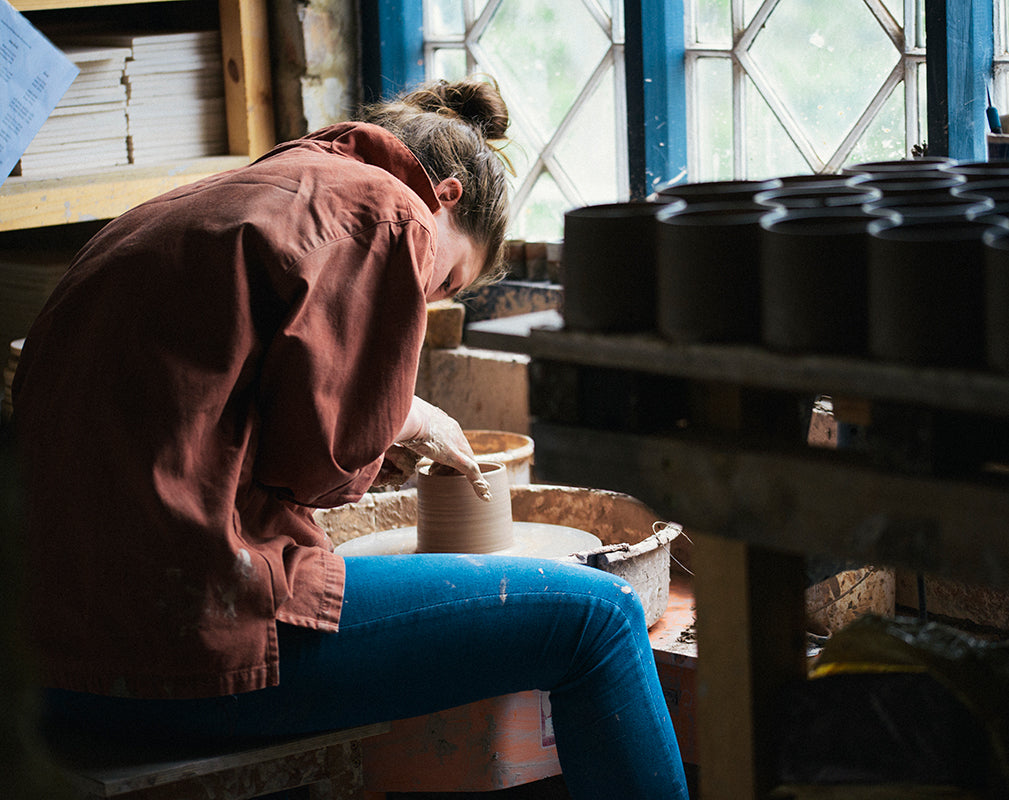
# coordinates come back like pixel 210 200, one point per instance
pixel 537 539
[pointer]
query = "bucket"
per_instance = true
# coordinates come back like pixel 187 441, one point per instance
pixel 514 450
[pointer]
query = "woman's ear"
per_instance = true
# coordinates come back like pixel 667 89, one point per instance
pixel 449 192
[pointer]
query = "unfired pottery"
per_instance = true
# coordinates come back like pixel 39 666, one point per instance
pixel 452 519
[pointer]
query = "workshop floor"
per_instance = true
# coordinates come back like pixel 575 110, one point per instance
pixel 547 789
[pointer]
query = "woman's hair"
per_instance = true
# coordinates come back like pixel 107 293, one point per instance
pixel 455 130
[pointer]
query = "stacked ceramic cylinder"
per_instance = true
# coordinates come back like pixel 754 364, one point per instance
pixel 903 261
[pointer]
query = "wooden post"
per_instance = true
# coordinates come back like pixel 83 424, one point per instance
pixel 245 49
pixel 751 642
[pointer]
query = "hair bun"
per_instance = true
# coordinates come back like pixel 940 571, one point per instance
pixel 472 99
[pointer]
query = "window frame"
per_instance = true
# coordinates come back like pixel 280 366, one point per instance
pixel 958 35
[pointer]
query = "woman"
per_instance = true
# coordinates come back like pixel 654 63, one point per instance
pixel 223 359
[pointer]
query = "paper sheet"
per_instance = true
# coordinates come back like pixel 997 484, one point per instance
pixel 34 75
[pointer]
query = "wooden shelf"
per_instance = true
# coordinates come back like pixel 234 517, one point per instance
pixel 102 195
pixel 792 500
pixel 970 391
pixel 29 203
pixel 53 5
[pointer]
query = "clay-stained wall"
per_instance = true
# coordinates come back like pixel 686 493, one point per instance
pixel 315 62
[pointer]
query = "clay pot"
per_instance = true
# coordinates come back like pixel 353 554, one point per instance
pixel 937 206
pixel 908 185
pixel 514 450
pixel 608 267
pixel 979 171
pixel 927 164
pixel 826 195
pixel 995 189
pixel 813 280
pixel 996 265
pixel 713 191
pixel 709 273
pixel 452 519
pixel 926 292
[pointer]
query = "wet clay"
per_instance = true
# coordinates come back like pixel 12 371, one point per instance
pixel 452 519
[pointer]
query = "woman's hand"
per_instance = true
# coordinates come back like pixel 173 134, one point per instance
pixel 432 433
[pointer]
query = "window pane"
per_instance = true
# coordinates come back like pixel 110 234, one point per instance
pixel 712 22
pixel 825 61
pixel 750 7
pixel 769 150
pixel 541 219
pixel 714 119
pixel 884 138
pixel 443 17
pixel 545 53
pixel 896 9
pixel 595 177
pixel 448 63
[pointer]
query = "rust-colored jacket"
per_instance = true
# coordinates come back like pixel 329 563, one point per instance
pixel 217 362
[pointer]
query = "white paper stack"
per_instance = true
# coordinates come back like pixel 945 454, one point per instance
pixel 87 129
pixel 175 91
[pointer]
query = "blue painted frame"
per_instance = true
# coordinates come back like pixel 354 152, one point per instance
pixel 392 46
pixel 959 66
pixel 656 93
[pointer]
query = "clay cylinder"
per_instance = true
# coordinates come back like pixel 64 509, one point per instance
pixel 813 280
pixel 608 267
pixel 996 257
pixel 926 292
pixel 452 519
pixel 709 273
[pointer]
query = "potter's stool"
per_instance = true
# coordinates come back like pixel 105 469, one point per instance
pixel 328 764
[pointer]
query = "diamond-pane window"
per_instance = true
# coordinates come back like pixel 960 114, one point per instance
pixel 813 83
pixel 559 65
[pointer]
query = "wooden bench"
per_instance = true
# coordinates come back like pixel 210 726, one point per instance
pixel 328 765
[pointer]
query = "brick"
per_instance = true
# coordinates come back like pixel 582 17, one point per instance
pixel 445 319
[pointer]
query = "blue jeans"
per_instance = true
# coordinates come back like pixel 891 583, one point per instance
pixel 422 633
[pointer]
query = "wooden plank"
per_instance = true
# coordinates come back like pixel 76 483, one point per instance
pixel 113 769
pixel 511 334
pixel 102 195
pixel 245 46
pixel 960 390
pixel 49 5
pixel 804 501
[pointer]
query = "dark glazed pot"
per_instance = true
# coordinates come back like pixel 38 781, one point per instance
pixel 976 171
pixel 828 195
pixel 910 185
pixel 937 206
pixel 813 280
pixel 995 189
pixel 929 163
pixel 926 292
pixel 608 267
pixel 714 191
pixel 996 266
pixel 709 273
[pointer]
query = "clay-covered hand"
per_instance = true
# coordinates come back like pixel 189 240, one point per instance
pixel 440 438
pixel 397 468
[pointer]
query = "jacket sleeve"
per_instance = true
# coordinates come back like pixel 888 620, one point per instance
pixel 339 375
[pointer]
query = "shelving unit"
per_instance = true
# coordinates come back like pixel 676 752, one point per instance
pixel 27 203
pixel 756 499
